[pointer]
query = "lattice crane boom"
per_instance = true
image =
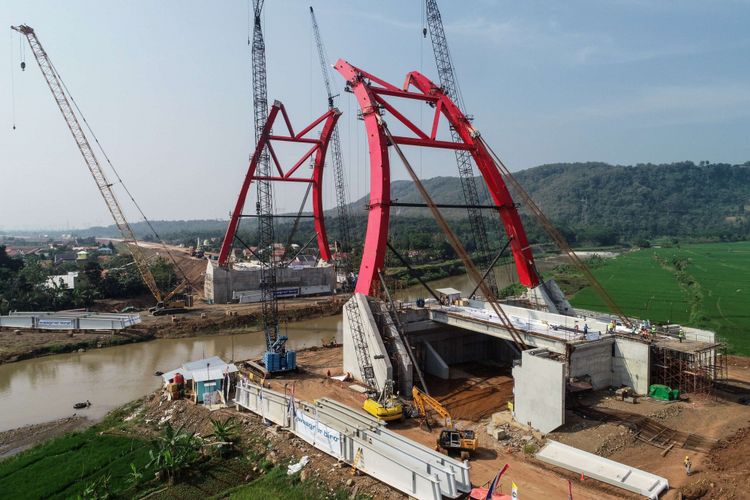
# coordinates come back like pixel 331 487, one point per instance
pixel 105 187
pixel 448 81
pixel 264 205
pixel 342 208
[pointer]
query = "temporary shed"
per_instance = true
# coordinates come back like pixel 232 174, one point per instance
pixel 448 295
pixel 205 379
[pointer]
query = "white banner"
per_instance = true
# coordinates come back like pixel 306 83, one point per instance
pixel 56 323
pixel 320 435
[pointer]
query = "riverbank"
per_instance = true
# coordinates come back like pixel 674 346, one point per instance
pixel 224 319
pixel 15 441
pixel 113 458
pixel 17 345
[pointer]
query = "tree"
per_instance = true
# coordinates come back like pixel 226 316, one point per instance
pixel 173 452
pixel 92 272
pixel 225 434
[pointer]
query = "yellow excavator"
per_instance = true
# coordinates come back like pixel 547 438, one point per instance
pixel 450 438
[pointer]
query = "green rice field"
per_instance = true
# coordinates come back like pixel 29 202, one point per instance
pixel 63 467
pixel 704 285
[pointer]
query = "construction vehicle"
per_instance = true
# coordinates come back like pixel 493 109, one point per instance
pixel 455 440
pixel 423 401
pixel 380 403
pixel 385 405
pixel 276 358
pixel 179 299
pixel 450 439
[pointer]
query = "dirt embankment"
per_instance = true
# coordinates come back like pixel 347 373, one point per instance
pixel 270 442
pixel 17 345
pixel 204 319
pixel 209 319
pixel 17 440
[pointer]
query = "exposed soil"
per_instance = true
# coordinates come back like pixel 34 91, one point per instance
pixel 271 442
pixel 16 345
pixel 221 318
pixel 719 417
pixel 205 319
pixel 533 480
pixel 475 391
pixel 17 440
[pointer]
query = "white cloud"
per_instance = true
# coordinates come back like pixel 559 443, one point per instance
pixel 675 105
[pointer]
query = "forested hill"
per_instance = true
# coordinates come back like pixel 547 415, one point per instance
pixel 592 203
pixel 602 204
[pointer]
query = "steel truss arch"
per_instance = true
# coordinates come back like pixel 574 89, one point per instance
pixel 370 92
pixel 318 148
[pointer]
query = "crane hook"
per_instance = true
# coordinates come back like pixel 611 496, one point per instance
pixel 23 65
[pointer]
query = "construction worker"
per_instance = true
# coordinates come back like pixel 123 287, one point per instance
pixel 688 465
pixel 681 335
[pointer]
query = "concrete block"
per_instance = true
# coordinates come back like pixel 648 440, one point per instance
pixel 539 390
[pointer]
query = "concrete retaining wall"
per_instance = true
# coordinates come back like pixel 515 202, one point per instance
pixel 220 283
pixel 595 360
pixel 378 354
pixel 434 363
pixel 631 364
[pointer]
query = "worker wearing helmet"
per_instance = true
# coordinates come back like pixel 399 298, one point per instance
pixel 688 465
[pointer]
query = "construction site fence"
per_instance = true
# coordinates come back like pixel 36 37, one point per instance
pixel 361 441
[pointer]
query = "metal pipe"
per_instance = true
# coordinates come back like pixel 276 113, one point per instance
pixel 492 264
pixel 412 271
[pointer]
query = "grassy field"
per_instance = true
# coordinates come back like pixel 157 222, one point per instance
pixel 63 467
pixel 703 285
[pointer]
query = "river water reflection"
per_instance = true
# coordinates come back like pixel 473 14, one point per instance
pixel 43 389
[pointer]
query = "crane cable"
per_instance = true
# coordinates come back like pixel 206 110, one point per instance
pixel 119 179
pixel 12 83
pixel 556 236
pixel 458 246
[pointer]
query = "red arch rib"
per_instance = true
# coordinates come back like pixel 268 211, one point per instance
pixel 318 148
pixel 371 92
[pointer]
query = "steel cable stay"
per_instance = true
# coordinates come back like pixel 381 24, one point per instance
pixel 556 236
pixel 458 247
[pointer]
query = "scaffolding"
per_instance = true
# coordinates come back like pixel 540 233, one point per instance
pixel 693 367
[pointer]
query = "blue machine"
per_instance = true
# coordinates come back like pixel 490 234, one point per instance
pixel 278 359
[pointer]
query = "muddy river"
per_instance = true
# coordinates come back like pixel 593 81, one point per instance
pixel 43 389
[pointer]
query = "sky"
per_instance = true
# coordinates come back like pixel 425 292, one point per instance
pixel 166 88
